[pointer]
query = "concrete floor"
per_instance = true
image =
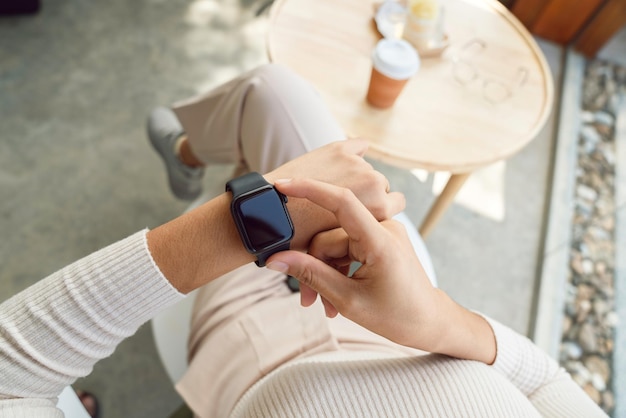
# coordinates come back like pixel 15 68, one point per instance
pixel 76 172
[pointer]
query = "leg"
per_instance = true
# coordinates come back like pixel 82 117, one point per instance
pixel 259 120
pixel 219 301
pixel 244 325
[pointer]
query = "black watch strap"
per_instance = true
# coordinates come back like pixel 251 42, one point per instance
pixel 245 183
pixel 261 258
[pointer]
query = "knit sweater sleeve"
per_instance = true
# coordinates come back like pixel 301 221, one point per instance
pixel 548 386
pixel 56 330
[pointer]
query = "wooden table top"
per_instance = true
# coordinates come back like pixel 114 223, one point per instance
pixel 437 123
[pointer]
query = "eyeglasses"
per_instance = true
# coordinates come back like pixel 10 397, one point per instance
pixel 495 89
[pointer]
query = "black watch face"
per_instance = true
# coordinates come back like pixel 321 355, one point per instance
pixel 265 219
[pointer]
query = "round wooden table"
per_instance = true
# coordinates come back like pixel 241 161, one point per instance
pixel 444 120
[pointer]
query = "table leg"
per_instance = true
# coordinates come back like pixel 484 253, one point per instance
pixel 443 201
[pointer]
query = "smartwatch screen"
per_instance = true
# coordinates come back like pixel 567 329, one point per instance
pixel 265 219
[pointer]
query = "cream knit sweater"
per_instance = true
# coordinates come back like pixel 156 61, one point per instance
pixel 56 330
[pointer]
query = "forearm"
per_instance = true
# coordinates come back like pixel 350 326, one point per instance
pixel 56 330
pixel 198 246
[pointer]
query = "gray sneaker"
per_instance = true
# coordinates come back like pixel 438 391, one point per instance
pixel 163 130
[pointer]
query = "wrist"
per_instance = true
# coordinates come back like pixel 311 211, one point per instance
pixel 308 221
pixel 465 335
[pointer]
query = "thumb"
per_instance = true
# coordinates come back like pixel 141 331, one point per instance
pixel 311 272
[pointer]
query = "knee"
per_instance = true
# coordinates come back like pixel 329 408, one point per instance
pixel 278 78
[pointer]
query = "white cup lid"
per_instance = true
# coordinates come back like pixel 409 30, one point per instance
pixel 395 58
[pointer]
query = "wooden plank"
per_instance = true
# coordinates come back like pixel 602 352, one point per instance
pixel 561 20
pixel 528 11
pixel 604 25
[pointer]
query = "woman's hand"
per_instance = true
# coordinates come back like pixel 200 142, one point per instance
pixel 340 163
pixel 390 293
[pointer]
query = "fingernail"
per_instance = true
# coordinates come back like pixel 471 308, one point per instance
pixel 277 266
pixel 282 181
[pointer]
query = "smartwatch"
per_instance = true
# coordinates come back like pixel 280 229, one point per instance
pixel 261 216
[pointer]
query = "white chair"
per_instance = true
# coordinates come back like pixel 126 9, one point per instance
pixel 71 405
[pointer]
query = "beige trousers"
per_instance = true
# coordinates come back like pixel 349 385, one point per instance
pixel 247 323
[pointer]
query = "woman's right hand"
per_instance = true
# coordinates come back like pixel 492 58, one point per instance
pixel 390 293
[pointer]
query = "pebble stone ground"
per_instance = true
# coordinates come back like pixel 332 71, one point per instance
pixel 590 316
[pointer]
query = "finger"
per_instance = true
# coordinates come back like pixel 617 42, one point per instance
pixel 388 206
pixel 330 245
pixel 307 295
pixel 385 205
pixel 312 273
pixel 329 308
pixel 352 216
pixel 344 268
pixel 396 202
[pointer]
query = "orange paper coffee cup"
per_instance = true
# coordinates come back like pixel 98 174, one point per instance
pixel 394 62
